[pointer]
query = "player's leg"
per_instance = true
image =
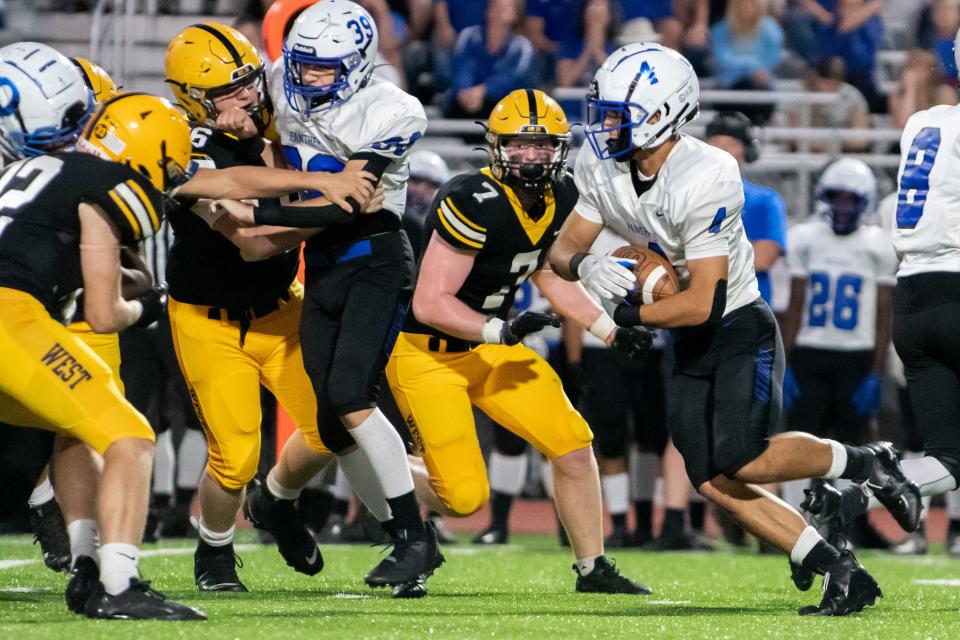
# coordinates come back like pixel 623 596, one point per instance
pixel 223 379
pixel 524 394
pixel 52 374
pixel 507 471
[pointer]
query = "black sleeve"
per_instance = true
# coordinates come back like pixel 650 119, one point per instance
pixel 376 163
pixel 273 213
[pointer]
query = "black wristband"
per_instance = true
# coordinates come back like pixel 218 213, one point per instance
pixel 273 213
pixel 574 264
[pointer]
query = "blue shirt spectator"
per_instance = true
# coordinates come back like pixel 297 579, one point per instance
pixel 652 10
pixel 738 57
pixel 764 218
pixel 562 23
pixel 857 45
pixel 464 13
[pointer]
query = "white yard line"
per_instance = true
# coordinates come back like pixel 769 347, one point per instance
pixel 144 553
pixel 939 582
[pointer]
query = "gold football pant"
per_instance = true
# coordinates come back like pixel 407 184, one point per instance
pixel 50 379
pixel 513 385
pixel 224 380
pixel 105 345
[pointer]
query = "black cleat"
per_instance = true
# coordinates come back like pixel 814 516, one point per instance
pixel 822 506
pixel 606 578
pixel 49 529
pixel 281 519
pixel 899 495
pixel 84 578
pixel 409 561
pixel 413 589
pixel 215 568
pixel 802 577
pixel 492 535
pixel 138 602
pixel 847 588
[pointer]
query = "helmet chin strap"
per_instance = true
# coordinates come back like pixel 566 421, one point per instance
pixel 532 179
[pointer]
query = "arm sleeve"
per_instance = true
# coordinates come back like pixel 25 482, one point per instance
pixel 587 206
pixel 457 223
pixel 797 256
pixel 271 212
pixel 710 217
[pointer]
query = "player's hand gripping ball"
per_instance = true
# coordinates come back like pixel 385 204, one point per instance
pixel 656 278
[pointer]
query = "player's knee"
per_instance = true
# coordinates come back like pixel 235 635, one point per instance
pixel 466 497
pixel 235 472
pixel 746 465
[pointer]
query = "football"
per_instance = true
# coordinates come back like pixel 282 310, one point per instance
pixel 656 278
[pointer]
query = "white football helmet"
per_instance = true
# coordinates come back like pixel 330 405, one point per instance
pixel 44 101
pixel 635 83
pixel 846 191
pixel 428 165
pixel 332 33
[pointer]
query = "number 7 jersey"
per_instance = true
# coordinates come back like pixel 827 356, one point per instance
pixel 477 212
pixel 926 228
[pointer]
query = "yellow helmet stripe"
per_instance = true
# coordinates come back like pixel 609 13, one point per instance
pixel 145 201
pixel 224 40
pixel 131 219
pixel 467 222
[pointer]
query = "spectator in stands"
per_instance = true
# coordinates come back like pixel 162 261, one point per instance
pixel 390 41
pixel 450 18
pixel 570 38
pixel 747 45
pixel 922 86
pixel 938 26
pixel 853 32
pixel 849 111
pixel 682 24
pixel 490 61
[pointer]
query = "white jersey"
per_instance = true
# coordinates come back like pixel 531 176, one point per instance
pixel 842 274
pixel 691 211
pixel 380 118
pixel 926 228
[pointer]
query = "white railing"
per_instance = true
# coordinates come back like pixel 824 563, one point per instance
pixel 111 41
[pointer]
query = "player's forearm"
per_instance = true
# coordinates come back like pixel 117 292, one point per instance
pixel 451 316
pixel 244 183
pixel 570 300
pixel 261 242
pixel 561 253
pixel 684 309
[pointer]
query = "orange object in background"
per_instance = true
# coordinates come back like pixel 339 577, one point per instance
pixel 276 22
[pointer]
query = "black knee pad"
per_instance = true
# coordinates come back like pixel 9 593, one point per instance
pixel 507 442
pixel 332 431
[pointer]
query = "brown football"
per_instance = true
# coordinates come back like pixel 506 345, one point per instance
pixel 656 278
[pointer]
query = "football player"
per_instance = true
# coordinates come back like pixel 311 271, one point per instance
pixel 235 324
pixel 926 302
pixel 839 321
pixel 62 221
pixel 334 114
pixel 490 231
pixel 656 186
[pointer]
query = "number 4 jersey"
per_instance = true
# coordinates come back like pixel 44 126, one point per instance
pixel 842 274
pixel 926 230
pixel 477 212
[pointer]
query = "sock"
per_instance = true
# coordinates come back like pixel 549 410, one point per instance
pixel 672 523
pixel 930 474
pixel 698 513
pixel 191 460
pixel 215 538
pixel 164 460
pixel 160 500
pixel 118 563
pixel 585 565
pixel 812 552
pixel 406 513
pixel 387 456
pixel 279 491
pixel 340 489
pixel 360 475
pixel 644 469
pixel 500 505
pixel 184 496
pixel 858 463
pixel 507 473
pixel 953 506
pixel 616 495
pixel 41 494
pixel 643 509
pixel 84 539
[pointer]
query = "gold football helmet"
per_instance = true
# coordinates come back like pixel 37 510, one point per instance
pixel 146 133
pixel 528 113
pixel 97 79
pixel 209 59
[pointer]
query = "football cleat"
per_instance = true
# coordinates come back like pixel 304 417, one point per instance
pixel 606 578
pixel 411 559
pixel 847 588
pixel 282 520
pixel 887 483
pixel 413 589
pixel 84 578
pixel 822 506
pixel 801 576
pixel 215 568
pixel 138 602
pixel 49 529
pixel 492 535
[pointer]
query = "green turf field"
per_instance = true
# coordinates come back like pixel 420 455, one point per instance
pixel 524 590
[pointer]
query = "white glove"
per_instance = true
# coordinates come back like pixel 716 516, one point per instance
pixel 605 276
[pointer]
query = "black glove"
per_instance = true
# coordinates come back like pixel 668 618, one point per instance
pixel 633 341
pixel 513 331
pixel 154 302
pixel 626 315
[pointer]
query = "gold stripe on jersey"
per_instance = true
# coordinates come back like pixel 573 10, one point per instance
pixel 457 229
pixel 533 228
pixel 469 223
pixel 147 204
pixel 128 214
pixel 136 206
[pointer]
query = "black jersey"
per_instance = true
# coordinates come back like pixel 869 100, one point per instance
pixel 40 227
pixel 477 212
pixel 205 268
